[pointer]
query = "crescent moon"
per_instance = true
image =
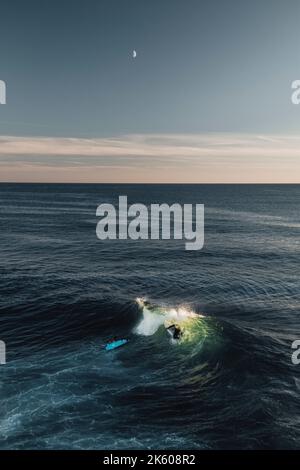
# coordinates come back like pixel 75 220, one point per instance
pixel 134 54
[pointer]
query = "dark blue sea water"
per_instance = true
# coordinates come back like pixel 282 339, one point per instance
pixel 64 293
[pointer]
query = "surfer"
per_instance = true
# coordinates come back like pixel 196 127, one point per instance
pixel 175 331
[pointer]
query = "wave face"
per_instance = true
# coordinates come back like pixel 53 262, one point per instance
pixel 229 381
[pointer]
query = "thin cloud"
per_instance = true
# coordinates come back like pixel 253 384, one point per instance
pixel 213 157
pixel 167 145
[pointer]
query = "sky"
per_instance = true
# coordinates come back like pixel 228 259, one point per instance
pixel 207 99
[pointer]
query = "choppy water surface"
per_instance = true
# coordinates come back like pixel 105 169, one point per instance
pixel 228 383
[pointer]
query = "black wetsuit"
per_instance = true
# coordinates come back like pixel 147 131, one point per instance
pixel 177 333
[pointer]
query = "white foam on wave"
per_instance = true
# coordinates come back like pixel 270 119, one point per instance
pixel 154 317
pixel 150 323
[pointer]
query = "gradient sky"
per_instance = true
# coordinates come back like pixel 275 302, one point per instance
pixel 206 100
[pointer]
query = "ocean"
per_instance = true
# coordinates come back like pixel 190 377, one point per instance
pixel 229 383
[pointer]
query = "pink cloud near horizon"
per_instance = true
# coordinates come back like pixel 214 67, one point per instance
pixel 152 158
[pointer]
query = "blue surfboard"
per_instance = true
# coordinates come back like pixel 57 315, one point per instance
pixel 115 344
